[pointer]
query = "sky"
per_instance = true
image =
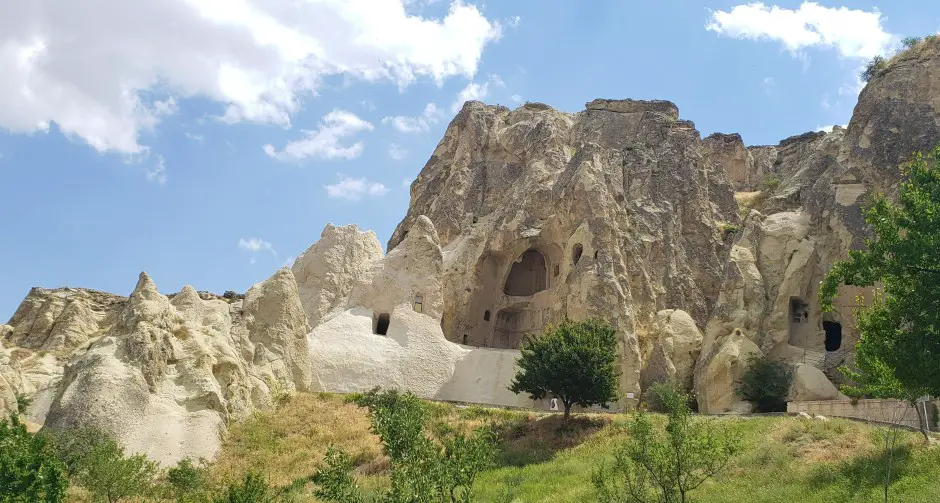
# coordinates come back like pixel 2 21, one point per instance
pixel 208 142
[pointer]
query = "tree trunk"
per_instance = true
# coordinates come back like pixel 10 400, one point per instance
pixel 567 409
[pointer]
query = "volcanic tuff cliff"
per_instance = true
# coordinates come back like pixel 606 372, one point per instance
pixel 701 252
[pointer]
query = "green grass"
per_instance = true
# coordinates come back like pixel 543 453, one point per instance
pixel 784 459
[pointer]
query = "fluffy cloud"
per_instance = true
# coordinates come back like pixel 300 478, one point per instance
pixel 853 33
pixel 353 189
pixel 324 143
pixel 107 71
pixel 254 246
pixel 828 129
pixel 420 124
pixel 475 91
pixel 397 152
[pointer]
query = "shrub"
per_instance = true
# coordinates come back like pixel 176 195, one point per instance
pixel 769 183
pixel 422 470
pixel 653 396
pixel 766 383
pixel 874 68
pixel 910 42
pixel 185 480
pixel 29 468
pixel 22 403
pixel 253 489
pixel 664 466
pixel 97 463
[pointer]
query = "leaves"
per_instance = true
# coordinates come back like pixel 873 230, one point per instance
pixel 29 469
pixel 766 382
pixel 575 362
pixel 900 332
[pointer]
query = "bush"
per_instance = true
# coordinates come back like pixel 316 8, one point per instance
pixel 910 42
pixel 653 396
pixel 766 383
pixel 29 468
pixel 874 68
pixel 253 489
pixel 769 183
pixel 186 480
pixel 664 466
pixel 22 403
pixel 422 470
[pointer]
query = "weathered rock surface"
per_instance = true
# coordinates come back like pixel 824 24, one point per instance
pixel 170 373
pixel 388 332
pixel 614 211
pixel 519 219
pixel 810 383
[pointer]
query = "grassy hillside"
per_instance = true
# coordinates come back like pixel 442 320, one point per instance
pixel 785 459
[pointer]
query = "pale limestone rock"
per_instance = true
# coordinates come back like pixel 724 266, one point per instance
pixel 542 215
pixel 809 383
pixel 347 355
pixel 716 384
pixel 169 375
pixel 61 320
pixel 326 272
pixel 677 347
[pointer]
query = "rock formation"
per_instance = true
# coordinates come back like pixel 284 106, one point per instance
pixel 700 252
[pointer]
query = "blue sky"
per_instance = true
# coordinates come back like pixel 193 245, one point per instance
pixel 208 142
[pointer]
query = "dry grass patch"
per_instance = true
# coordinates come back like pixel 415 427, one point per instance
pixel 290 442
pixel 815 441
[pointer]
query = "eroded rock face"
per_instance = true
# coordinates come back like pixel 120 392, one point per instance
pixel 613 212
pixel 388 332
pixel 170 373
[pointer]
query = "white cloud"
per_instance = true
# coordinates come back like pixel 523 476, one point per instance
pixel 353 189
pixel 194 137
pixel 420 124
pixel 324 143
pixel 89 68
pixel 853 33
pixel 256 245
pixel 769 85
pixel 475 91
pixel 158 173
pixel 828 129
pixel 406 183
pixel 513 22
pixel 397 152
pixel 516 98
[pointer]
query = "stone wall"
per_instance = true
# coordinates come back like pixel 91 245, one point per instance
pixel 884 411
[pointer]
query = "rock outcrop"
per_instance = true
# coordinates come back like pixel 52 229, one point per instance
pixel 167 374
pixel 702 253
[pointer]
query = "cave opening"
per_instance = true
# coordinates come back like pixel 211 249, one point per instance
pixel 528 275
pixel 833 331
pixel 381 324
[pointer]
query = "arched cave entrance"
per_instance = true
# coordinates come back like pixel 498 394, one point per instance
pixel 833 335
pixel 802 333
pixel 527 276
pixel 576 253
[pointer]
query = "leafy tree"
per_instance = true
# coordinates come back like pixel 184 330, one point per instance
pixel 576 362
pixel 29 469
pixel 423 470
pixel 874 67
pixel 766 383
pixel 663 466
pixel 899 344
pixel 111 476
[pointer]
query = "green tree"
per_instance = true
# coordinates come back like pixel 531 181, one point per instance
pixel 664 466
pixel 29 469
pixel 576 362
pixel 766 383
pixel 253 489
pixel 899 344
pixel 111 476
pixel 423 469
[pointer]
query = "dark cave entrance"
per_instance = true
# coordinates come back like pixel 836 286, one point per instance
pixel 528 275
pixel 381 324
pixel 833 335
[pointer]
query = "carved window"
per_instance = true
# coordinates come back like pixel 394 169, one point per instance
pixel 419 303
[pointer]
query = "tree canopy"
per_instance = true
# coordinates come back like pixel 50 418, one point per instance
pixel 898 354
pixel 575 362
